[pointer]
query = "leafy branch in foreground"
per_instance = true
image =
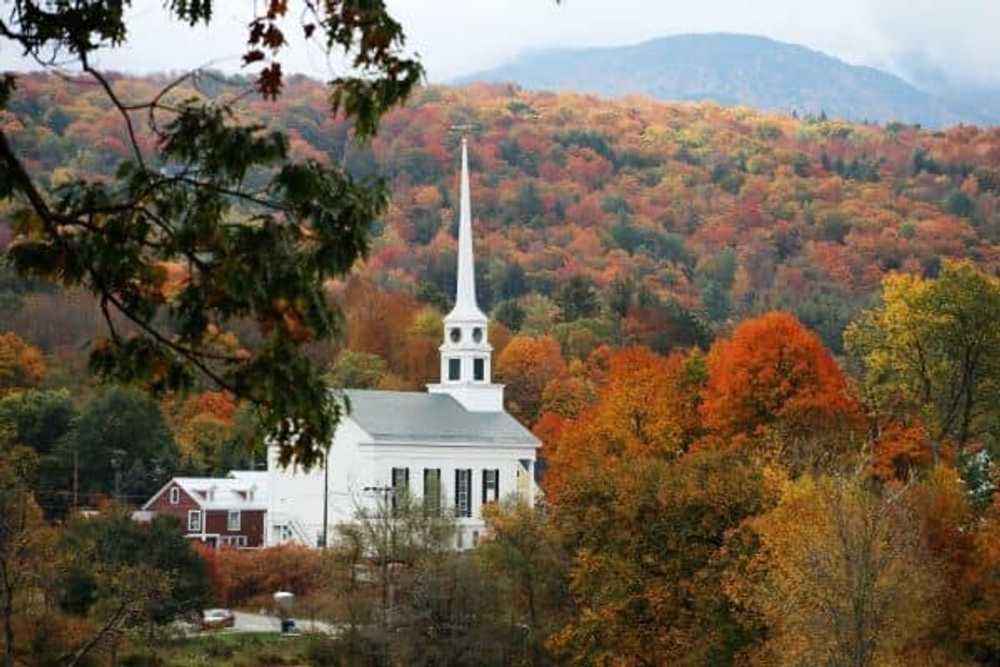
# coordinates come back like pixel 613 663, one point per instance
pixel 210 222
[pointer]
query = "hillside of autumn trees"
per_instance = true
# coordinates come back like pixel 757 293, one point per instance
pixel 597 222
pixel 762 354
pixel 632 221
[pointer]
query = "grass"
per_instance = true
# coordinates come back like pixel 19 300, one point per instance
pixel 226 650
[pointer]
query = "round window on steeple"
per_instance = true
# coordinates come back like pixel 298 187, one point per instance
pixel 455 334
pixel 477 334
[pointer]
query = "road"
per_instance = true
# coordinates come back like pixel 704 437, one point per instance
pixel 248 622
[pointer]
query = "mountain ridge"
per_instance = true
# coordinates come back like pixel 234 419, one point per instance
pixel 735 69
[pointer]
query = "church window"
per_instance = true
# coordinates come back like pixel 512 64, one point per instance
pixel 491 486
pixel 455 334
pixel 477 334
pixel 233 520
pixel 194 521
pixel 432 491
pixel 175 495
pixel 400 486
pixel 479 369
pixel 454 369
pixel 463 493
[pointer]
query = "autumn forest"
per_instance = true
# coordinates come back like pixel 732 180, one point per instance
pixel 761 351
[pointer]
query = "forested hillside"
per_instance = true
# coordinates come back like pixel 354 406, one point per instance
pixel 629 221
pixel 712 468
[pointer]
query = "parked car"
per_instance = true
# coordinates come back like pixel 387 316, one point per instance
pixel 215 619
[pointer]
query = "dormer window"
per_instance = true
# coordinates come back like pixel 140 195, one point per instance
pixel 454 370
pixel 455 334
pixel 477 334
pixel 478 369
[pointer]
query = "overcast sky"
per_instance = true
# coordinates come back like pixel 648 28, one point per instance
pixel 461 36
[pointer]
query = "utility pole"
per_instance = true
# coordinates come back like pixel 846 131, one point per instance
pixel 326 496
pixel 76 477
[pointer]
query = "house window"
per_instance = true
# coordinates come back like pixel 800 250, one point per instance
pixel 491 486
pixel 432 491
pixel 479 369
pixel 400 486
pixel 454 369
pixel 194 521
pixel 463 493
pixel 234 522
pixel 175 495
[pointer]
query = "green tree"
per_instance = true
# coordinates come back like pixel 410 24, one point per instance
pixel 960 204
pixel 510 314
pixel 256 233
pixel 106 553
pixel 358 370
pixel 43 421
pixel 38 419
pixel 578 298
pixel 932 349
pixel 715 300
pixel 122 436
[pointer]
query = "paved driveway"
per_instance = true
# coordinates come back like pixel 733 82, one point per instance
pixel 249 622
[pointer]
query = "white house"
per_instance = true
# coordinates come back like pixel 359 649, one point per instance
pixel 455 437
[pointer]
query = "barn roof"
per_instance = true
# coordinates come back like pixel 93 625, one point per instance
pixel 425 418
pixel 240 490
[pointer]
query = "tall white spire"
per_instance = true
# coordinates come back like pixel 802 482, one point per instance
pixel 465 295
pixel 466 351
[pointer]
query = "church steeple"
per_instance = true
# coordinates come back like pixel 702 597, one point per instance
pixel 465 295
pixel 466 352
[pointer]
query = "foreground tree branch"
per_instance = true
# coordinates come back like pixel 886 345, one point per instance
pixel 194 206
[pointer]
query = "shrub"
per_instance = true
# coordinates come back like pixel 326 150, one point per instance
pixel 242 577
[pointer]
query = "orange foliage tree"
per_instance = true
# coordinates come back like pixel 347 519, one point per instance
pixel 21 364
pixel 647 407
pixel 773 379
pixel 526 365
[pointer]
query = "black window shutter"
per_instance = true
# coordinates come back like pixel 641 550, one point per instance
pixel 485 499
pixel 458 507
pixel 468 505
pixel 496 480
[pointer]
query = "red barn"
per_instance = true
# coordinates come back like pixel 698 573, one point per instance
pixel 219 511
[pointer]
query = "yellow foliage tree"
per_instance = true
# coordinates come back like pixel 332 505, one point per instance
pixel 843 576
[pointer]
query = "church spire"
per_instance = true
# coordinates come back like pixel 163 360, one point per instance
pixel 466 351
pixel 465 295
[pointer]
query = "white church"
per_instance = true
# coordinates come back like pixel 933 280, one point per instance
pixel 455 438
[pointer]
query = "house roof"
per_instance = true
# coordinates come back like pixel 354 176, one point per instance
pixel 410 416
pixel 241 490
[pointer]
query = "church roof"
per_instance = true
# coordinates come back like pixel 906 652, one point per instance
pixel 410 416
